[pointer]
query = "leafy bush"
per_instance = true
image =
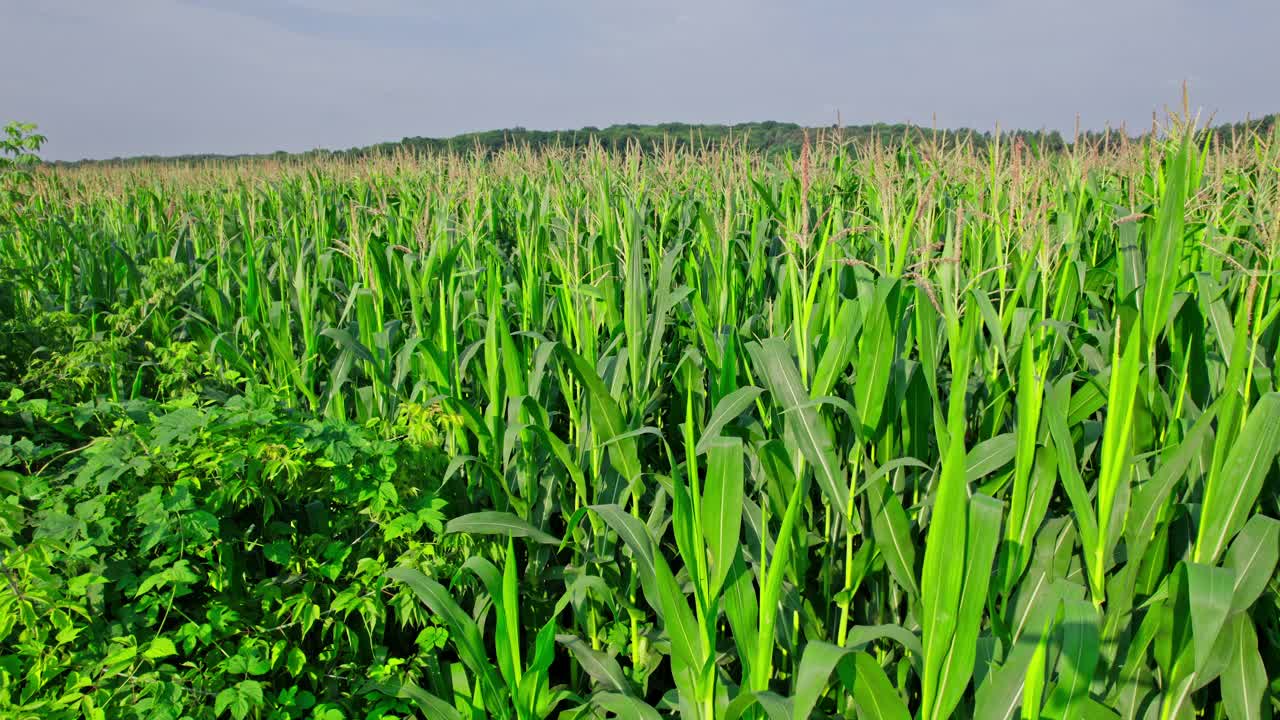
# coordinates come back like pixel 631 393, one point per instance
pixel 193 559
pixel 19 146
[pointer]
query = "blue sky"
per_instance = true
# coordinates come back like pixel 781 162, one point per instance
pixel 130 77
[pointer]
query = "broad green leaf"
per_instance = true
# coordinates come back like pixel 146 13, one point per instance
pixel 729 407
pixel 979 555
pixel 601 667
pixel 677 618
pixel 722 508
pixel 636 536
pixel 625 707
pixel 861 635
pixel 606 418
pixel 1083 514
pixel 490 522
pixel 1252 557
pixel 775 706
pixel 816 664
pixel 462 629
pixel 1076 664
pixel 942 577
pixel 1244 682
pixel 892 530
pixel 874 695
pixel 1164 248
pixel 1151 495
pixel 989 456
pixel 1034 680
pixel 429 704
pixel 1040 487
pixel 1231 494
pixel 160 647
pixel 1209 591
pixel 773 361
pixel 739 601
pixel 841 345
pixel 1114 473
pixel 876 351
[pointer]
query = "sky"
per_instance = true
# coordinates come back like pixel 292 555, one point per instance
pixel 128 77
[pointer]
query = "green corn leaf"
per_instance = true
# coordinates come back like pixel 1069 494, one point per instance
pixel 1091 709
pixel 991 320
pixel 665 301
pixel 989 456
pixel 722 508
pixel 729 407
pixel 1202 597
pixel 771 590
pixel 1005 690
pixel 1055 416
pixel 876 351
pixel 841 345
pixel 1209 590
pixel 1231 493
pixel 491 522
pixel 506 640
pixel 1244 682
pixel 1252 557
pixel 1024 515
pixel 1077 662
pixel 667 599
pixel 1151 496
pixel 607 418
pixel 739 600
pixel 462 629
pixel 816 664
pixel 348 342
pixel 686 527
pixel 1113 479
pixel 892 530
pixel 873 694
pixel 773 360
pixel 1134 687
pixel 429 704
pixel 636 537
pixel 1131 270
pixel 1164 250
pixel 775 706
pixel 625 707
pixel 1039 494
pixel 942 576
pixel 510 607
pixel 1034 680
pixel 862 635
pixel 980 546
pixel 601 667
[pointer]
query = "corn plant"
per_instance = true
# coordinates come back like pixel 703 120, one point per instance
pixel 909 429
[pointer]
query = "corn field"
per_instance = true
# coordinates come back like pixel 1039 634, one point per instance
pixel 905 430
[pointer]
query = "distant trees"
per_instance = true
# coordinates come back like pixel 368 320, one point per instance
pixel 767 137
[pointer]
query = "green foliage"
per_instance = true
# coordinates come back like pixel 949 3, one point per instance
pixel 763 138
pixel 163 560
pixel 19 146
pixel 915 429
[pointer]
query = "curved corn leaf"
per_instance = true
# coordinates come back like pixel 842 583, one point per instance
pixel 1231 494
pixel 773 360
pixel 491 522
